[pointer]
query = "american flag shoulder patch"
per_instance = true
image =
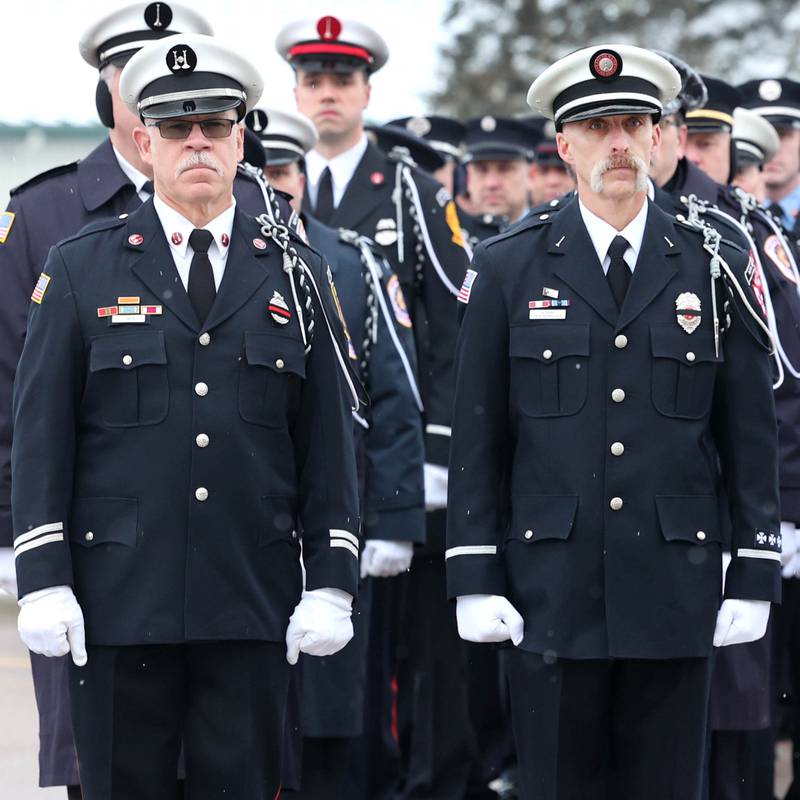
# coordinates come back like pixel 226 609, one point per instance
pixel 40 288
pixel 466 287
pixel 6 221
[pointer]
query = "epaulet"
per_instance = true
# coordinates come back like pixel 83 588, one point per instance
pixel 106 224
pixel 551 206
pixel 530 222
pixel 43 176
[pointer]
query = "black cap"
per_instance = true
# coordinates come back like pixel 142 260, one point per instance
pixel 403 143
pixel 497 139
pixel 693 93
pixel 545 150
pixel 716 116
pixel 775 99
pixel 443 134
pixel 253 151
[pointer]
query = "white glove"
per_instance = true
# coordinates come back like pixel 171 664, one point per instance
pixel 790 559
pixel 435 487
pixel 741 621
pixel 8 572
pixel 50 623
pixel 488 618
pixel 384 559
pixel 320 624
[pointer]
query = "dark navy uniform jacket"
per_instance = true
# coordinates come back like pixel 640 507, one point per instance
pixel 392 446
pixel 480 227
pixel 48 208
pixel 165 535
pixel 367 206
pixel 583 467
pixel 391 454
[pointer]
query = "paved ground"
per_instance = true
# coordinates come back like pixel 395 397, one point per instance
pixel 18 724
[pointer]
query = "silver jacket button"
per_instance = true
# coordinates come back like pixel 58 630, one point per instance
pixel 617 449
pixel 127 360
pixel 616 504
pixel 618 395
pixel 202 440
pixel 201 493
pixel 621 342
pixel 205 339
pixel 201 389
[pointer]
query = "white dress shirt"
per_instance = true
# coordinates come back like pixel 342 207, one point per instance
pixel 177 229
pixel 342 168
pixel 137 178
pixel 602 234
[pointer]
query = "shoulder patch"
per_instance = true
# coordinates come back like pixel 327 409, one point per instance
pixel 40 288
pixel 6 221
pixel 753 277
pixel 773 248
pixel 53 172
pixel 466 287
pixel 107 224
pixel 398 301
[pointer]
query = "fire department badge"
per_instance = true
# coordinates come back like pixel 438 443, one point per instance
pixel 687 308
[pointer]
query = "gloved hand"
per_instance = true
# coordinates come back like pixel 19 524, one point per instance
pixel 790 558
pixel 435 487
pixel 741 621
pixel 8 572
pixel 50 623
pixel 383 559
pixel 320 624
pixel 488 618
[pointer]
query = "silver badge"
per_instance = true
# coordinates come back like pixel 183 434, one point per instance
pixel 279 309
pixel 419 125
pixel 386 232
pixel 687 308
pixel 488 124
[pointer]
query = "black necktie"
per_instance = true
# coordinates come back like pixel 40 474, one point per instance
pixel 619 274
pixel 201 277
pixel 148 187
pixel 324 209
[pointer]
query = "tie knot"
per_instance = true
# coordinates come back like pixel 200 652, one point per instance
pixel 618 247
pixel 148 187
pixel 200 239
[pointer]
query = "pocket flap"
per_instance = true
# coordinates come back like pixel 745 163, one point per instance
pixel 104 520
pixel 548 343
pixel 689 518
pixel 127 350
pixel 674 343
pixel 543 516
pixel 278 352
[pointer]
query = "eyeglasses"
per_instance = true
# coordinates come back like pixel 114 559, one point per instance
pixel 181 128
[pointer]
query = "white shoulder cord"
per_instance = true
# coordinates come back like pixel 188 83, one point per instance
pixel 271 207
pixel 408 179
pixel 374 274
pixel 293 262
pixel 397 196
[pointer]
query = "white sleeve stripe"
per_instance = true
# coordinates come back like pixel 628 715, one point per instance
pixel 53 537
pixel 768 554
pixel 472 550
pixel 50 527
pixel 441 430
pixel 339 534
pixel 346 545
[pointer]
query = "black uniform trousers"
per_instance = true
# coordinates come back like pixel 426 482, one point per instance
pixel 609 729
pixel 132 706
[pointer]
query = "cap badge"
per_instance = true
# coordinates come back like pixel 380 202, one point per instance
pixel 329 28
pixel 225 239
pixel 488 124
pixel 279 309
pixel 257 120
pixel 181 60
pixel 135 239
pixel 769 90
pixel 419 125
pixel 386 232
pixel 687 308
pixel 158 16
pixel 259 244
pixel 176 238
pixel 605 65
pixel 377 178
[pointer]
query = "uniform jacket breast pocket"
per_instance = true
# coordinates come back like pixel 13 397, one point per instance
pixel 684 370
pixel 549 375
pixel 128 379
pixel 270 375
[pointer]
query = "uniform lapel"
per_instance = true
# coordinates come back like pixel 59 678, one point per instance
pixel 654 267
pixel 100 177
pixel 151 261
pixel 364 192
pixel 576 261
pixel 245 270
